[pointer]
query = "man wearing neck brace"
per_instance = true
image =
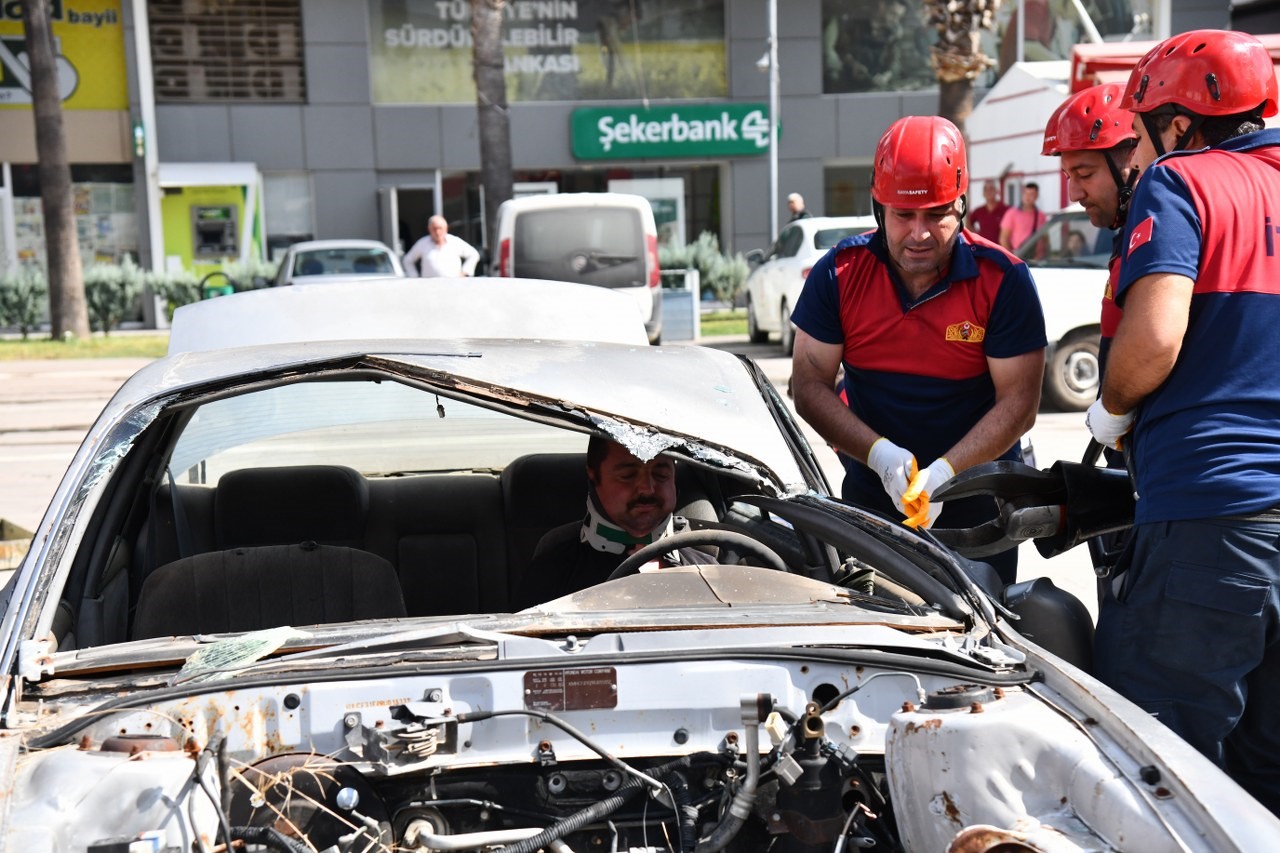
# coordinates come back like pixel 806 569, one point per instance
pixel 629 504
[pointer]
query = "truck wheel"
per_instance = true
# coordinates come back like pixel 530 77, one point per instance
pixel 754 333
pixel 1072 374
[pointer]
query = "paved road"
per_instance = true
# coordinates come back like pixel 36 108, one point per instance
pixel 47 407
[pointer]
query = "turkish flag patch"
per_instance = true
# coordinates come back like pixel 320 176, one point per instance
pixel 1140 235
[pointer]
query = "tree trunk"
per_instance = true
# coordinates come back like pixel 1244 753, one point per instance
pixel 957 57
pixel 68 314
pixel 489 59
pixel 955 101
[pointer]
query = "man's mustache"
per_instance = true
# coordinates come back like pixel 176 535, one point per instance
pixel 643 502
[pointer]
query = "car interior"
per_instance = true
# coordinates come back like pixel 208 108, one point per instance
pixel 285 506
pixel 293 506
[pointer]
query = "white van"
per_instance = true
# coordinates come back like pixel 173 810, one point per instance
pixel 606 239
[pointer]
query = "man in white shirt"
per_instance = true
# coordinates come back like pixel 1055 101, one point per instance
pixel 440 254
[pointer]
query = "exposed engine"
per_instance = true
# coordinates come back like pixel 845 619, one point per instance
pixel 804 794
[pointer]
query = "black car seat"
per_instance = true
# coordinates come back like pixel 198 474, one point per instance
pixel 251 589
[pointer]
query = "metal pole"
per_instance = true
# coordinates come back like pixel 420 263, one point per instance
pixel 151 153
pixel 773 119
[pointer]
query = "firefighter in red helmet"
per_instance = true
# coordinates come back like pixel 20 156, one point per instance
pixel 1093 135
pixel 1190 626
pixel 940 334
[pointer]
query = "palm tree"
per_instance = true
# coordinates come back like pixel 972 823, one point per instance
pixel 489 60
pixel 68 312
pixel 958 56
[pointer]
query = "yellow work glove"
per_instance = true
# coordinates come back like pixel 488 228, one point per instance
pixel 922 512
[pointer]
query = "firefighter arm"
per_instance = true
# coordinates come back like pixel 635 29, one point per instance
pixel 1148 339
pixel 1017 382
pixel 814 366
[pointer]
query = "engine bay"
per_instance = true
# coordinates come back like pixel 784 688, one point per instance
pixel 761 752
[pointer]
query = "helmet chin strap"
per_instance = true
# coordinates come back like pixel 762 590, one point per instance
pixel 1157 142
pixel 1124 187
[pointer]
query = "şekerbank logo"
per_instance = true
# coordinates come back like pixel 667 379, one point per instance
pixel 686 131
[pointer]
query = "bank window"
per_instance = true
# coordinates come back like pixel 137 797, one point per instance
pixel 287 210
pixel 847 190
pixel 232 50
pixel 877 46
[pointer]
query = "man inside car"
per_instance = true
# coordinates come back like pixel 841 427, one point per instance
pixel 630 503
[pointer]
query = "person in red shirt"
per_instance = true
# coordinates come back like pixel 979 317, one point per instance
pixel 985 220
pixel 1094 138
pixel 940 334
pixel 1191 618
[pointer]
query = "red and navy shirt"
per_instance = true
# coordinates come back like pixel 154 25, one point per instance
pixel 916 371
pixel 1206 443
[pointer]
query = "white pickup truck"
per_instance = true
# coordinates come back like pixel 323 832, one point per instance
pixel 1068 258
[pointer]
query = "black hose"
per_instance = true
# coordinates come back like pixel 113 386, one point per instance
pixel 579 819
pixel 686 811
pixel 722 834
pixel 210 753
pixel 269 837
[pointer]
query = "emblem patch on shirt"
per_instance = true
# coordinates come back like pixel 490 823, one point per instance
pixel 967 332
pixel 1140 235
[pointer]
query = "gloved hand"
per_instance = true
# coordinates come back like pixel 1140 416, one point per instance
pixel 922 512
pixel 1107 428
pixel 893 465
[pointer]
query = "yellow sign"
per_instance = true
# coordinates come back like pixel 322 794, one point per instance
pixel 88 38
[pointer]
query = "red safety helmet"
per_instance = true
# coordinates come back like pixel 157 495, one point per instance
pixel 1089 120
pixel 1206 72
pixel 920 162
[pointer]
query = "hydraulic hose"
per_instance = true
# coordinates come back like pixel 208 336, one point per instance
pixel 754 709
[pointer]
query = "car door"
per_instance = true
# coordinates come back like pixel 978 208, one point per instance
pixel 778 271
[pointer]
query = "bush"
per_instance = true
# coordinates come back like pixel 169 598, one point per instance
pixel 721 275
pixel 175 289
pixel 251 274
pixel 111 292
pixel 23 298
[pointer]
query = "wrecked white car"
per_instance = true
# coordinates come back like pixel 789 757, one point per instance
pixel 268 609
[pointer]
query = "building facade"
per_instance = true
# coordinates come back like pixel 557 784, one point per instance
pixel 205 132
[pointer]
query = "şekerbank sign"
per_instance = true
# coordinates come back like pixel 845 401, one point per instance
pixel 687 130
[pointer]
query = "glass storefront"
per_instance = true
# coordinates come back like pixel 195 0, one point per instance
pixel 555 50
pixel 105 212
pixel 847 190
pixel 884 45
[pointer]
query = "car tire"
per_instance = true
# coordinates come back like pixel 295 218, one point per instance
pixel 1071 377
pixel 787 332
pixel 754 333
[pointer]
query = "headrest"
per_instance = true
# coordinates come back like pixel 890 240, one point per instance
pixel 278 506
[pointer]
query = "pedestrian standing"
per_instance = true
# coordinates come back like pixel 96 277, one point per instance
pixel 440 254
pixel 1191 623
pixel 1019 223
pixel 795 204
pixel 940 334
pixel 985 219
